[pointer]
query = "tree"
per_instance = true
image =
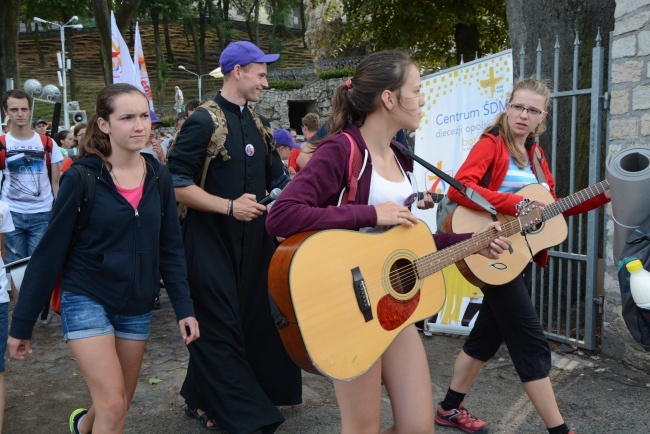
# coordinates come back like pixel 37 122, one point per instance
pixel 436 32
pixel 541 22
pixel 9 13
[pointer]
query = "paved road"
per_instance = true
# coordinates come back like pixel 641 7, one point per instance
pixel 595 395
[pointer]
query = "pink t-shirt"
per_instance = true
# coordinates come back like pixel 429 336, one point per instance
pixel 132 195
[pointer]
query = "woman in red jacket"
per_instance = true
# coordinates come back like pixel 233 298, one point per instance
pixel 507 148
pixel 381 98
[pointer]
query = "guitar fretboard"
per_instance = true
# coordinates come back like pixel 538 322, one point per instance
pixel 434 262
pixel 577 198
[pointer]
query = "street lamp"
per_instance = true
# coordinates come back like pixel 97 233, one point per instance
pixel 63 65
pixel 50 93
pixel 199 76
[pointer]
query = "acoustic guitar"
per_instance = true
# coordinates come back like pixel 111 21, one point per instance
pixel 484 272
pixel 346 295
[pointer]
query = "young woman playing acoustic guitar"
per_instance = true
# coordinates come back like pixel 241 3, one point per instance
pixel 507 148
pixel 381 98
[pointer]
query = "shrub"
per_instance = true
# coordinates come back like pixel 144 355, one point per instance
pixel 286 84
pixel 336 73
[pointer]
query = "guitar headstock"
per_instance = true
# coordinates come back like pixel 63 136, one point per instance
pixel 529 214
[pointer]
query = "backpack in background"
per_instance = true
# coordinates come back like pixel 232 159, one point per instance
pixel 636 319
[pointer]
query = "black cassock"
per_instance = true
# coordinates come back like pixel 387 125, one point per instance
pixel 238 370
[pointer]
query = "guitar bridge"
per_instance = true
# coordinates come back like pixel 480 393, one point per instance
pixel 360 291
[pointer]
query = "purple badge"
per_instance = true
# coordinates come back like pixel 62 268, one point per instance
pixel 250 150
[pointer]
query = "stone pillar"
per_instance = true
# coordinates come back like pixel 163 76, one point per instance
pixel 629 126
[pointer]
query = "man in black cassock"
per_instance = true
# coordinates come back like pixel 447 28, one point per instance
pixel 238 370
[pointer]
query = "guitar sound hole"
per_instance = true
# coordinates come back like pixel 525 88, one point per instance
pixel 402 276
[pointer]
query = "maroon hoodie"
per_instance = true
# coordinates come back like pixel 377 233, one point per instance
pixel 309 202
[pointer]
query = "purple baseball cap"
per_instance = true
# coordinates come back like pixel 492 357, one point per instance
pixel 154 119
pixel 283 138
pixel 242 53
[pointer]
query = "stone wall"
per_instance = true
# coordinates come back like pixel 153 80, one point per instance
pixel 629 126
pixel 274 103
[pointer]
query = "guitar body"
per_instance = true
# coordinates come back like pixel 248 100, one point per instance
pixel 484 272
pixel 311 280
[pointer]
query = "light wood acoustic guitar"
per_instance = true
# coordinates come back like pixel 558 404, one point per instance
pixel 483 272
pixel 346 295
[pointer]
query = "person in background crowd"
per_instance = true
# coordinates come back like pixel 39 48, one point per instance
pixel 506 149
pixel 239 370
pixel 382 97
pixel 310 125
pixel 154 147
pixel 295 152
pixel 29 186
pixel 285 147
pixel 178 99
pixel 73 153
pixel 7 125
pixel 40 126
pixel 111 273
pixel 191 106
pixel 65 139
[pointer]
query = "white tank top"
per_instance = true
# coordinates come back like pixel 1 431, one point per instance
pixel 383 190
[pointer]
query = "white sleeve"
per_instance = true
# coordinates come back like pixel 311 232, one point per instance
pixel 57 156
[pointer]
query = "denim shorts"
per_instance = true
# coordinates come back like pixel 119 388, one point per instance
pixel 83 317
pixel 4 325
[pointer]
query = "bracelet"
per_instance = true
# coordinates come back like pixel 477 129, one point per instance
pixel 230 208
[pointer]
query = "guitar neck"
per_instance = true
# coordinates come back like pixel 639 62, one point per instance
pixel 575 199
pixel 434 262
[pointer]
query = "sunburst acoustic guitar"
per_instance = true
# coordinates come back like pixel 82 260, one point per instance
pixel 484 272
pixel 346 295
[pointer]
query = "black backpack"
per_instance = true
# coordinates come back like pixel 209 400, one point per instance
pixel 637 320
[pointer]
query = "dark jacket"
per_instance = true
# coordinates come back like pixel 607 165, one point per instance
pixel 310 200
pixel 116 257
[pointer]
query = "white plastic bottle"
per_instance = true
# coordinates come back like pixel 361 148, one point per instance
pixel 639 284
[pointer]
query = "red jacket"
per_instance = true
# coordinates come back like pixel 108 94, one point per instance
pixel 491 152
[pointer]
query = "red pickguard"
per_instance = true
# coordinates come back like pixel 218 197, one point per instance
pixel 393 313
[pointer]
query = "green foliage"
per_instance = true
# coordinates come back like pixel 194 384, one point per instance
pixel 424 28
pixel 286 84
pixel 168 121
pixel 336 73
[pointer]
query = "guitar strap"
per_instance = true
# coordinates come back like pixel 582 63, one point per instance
pixel 537 156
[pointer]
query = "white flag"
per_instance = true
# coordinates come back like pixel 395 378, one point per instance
pixel 123 69
pixel 141 66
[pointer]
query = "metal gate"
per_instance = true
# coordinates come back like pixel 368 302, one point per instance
pixel 565 294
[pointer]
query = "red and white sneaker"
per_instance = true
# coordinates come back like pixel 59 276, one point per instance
pixel 462 419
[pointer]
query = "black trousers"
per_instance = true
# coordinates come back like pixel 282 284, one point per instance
pixel 507 314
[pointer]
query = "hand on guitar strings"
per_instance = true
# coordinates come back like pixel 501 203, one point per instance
pixel 496 247
pixel 391 214
pixel 426 202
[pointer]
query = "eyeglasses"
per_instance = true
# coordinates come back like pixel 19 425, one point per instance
pixel 531 110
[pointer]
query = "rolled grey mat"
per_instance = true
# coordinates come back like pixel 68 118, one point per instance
pixel 628 173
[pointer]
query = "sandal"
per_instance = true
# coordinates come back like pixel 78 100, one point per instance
pixel 202 418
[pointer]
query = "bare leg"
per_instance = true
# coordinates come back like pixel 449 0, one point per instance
pixel 405 372
pixel 109 374
pixel 359 402
pixel 466 369
pixel 541 395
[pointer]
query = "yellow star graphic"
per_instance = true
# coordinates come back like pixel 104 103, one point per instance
pixel 491 82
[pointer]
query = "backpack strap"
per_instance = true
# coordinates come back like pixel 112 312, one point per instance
pixel 163 186
pixel 3 151
pixel 354 169
pixel 265 131
pixel 217 140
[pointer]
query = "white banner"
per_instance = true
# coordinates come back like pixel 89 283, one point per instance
pixel 123 69
pixel 460 103
pixel 141 66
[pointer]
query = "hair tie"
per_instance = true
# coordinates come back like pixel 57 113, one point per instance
pixel 348 83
